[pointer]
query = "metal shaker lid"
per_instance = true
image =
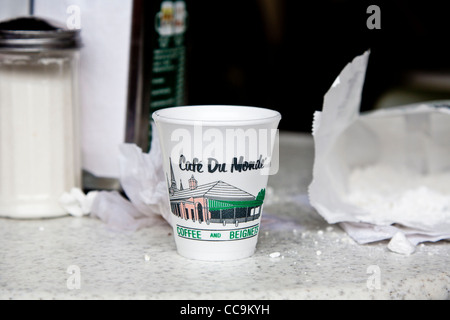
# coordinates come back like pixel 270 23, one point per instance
pixel 32 34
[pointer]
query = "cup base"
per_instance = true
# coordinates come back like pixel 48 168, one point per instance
pixel 225 251
pixel 217 257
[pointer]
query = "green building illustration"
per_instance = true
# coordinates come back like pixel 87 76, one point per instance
pixel 214 202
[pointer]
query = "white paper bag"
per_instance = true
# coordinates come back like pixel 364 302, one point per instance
pixel 381 172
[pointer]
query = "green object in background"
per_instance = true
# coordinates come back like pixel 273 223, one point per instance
pixel 157 64
pixel 167 87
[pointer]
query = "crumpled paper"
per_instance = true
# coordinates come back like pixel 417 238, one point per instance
pixel 411 138
pixel 143 182
pixel 76 203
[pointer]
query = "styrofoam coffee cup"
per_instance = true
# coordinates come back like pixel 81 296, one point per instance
pixel 217 160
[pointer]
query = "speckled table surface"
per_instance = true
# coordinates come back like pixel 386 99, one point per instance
pixel 298 256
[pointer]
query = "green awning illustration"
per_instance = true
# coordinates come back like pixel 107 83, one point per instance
pixel 215 205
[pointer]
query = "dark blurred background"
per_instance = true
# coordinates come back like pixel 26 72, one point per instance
pixel 285 54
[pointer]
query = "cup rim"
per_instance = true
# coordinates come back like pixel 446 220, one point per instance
pixel 226 115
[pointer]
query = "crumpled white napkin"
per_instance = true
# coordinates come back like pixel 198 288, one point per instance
pixel 407 137
pixel 142 179
pixel 76 203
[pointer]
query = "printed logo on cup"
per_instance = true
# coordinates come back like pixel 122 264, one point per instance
pixel 206 151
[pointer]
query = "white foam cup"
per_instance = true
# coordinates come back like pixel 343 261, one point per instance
pixel 217 160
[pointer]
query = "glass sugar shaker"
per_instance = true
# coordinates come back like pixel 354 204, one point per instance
pixel 39 121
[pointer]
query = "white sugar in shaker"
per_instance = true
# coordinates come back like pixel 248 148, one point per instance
pixel 39 147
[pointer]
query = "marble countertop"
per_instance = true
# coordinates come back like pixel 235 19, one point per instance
pixel 298 256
